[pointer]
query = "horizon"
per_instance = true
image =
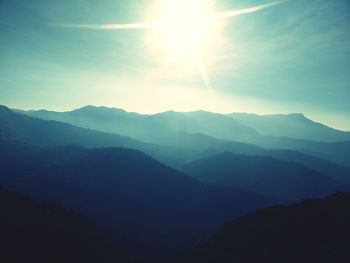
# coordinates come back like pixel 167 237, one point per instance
pixel 195 110
pixel 259 56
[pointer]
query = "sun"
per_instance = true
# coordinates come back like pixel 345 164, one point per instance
pixel 184 26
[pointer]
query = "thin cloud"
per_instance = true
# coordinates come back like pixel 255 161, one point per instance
pixel 244 11
pixel 216 17
pixel 108 26
pixel 200 65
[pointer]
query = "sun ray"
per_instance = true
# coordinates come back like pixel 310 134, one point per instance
pixel 146 25
pixel 204 74
pixel 183 27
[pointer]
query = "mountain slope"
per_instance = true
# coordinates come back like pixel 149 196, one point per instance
pixel 164 128
pixel 187 147
pixel 312 231
pixel 290 125
pixel 33 232
pixel 159 128
pixel 331 169
pixel 148 205
pixel 32 130
pixel 338 152
pixel 266 175
pixel 19 127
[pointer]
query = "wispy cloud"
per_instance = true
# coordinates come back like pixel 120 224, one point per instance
pixel 244 11
pixel 108 26
pixel 146 25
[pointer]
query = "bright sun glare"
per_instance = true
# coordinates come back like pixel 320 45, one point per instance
pixel 184 26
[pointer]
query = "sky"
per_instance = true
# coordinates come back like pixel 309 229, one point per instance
pixel 290 57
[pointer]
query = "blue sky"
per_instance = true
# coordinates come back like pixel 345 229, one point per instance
pixel 292 57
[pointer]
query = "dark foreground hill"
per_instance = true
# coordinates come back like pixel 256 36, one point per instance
pixel 312 231
pixel 148 206
pixel 42 233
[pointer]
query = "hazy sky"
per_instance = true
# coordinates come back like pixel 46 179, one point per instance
pixel 291 57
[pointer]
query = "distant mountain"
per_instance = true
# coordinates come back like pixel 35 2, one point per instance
pixel 32 130
pixel 19 127
pixel 265 175
pixel 208 123
pixel 186 147
pixel 160 128
pixel 338 152
pixel 41 233
pixel 331 169
pixel 146 205
pixel 312 231
pixel 119 188
pixel 173 128
pixel 294 125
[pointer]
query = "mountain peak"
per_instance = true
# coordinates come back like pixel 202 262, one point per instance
pixel 89 108
pixel 4 108
pixel 297 115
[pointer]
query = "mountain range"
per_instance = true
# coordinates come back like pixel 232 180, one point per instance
pixel 265 175
pixel 294 125
pixel 139 201
pixel 189 147
pixel 294 131
pixel 166 182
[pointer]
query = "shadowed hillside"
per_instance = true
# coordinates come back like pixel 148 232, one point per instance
pixel 312 231
pixel 144 203
pixel 265 175
pixel 33 232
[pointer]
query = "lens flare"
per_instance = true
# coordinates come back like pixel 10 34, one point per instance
pixel 184 25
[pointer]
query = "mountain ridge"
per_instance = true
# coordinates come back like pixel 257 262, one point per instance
pixel 164 127
pixel 315 230
pixel 297 115
pixel 187 147
pixel 265 175
pixel 138 200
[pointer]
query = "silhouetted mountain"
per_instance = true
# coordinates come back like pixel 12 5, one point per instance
pixel 149 206
pixel 146 204
pixel 18 127
pixel 338 152
pixel 41 233
pixel 208 123
pixel 187 147
pixel 32 130
pixel 160 128
pixel 265 175
pixel 164 128
pixel 312 231
pixel 331 169
pixel 294 125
